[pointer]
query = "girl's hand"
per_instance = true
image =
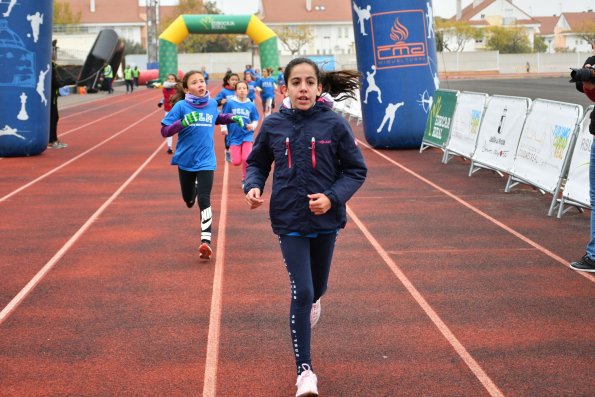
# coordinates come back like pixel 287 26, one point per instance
pixel 319 203
pixel 238 120
pixel 250 127
pixel 253 198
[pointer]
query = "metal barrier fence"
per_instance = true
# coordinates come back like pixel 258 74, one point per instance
pixel 533 142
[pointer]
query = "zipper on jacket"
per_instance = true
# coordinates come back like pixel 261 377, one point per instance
pixel 288 152
pixel 313 147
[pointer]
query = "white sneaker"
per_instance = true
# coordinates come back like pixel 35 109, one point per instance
pixel 315 313
pixel 306 383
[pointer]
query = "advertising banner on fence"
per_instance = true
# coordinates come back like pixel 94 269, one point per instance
pixel 439 118
pixel 577 184
pixel 465 124
pixel 544 143
pixel 500 132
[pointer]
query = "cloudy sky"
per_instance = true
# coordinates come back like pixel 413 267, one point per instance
pixel 443 8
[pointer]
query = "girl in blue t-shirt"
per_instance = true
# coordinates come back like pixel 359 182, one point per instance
pixel 251 86
pixel 193 118
pixel 267 86
pixel 228 91
pixel 240 139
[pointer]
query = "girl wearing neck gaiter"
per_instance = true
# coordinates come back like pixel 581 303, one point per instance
pixel 193 118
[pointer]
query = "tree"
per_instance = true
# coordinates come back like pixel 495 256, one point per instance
pixel 205 42
pixel 132 47
pixel 294 37
pixel 539 44
pixel 63 15
pixel 586 31
pixel 508 40
pixel 460 31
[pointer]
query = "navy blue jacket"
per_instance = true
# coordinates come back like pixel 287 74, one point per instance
pixel 313 151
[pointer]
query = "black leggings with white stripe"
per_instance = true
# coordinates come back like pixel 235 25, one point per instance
pixel 199 183
pixel 308 262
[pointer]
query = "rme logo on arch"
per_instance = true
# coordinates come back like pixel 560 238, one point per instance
pixel 399 39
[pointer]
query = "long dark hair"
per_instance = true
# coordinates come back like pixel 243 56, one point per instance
pixel 181 86
pixel 228 76
pixel 340 84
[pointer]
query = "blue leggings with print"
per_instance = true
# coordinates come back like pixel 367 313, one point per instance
pixel 308 262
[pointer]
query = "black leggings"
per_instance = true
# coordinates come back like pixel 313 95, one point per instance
pixel 308 262
pixel 199 183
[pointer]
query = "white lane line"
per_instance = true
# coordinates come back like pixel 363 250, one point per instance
pixel 34 181
pixel 496 222
pixel 104 117
pixel 485 380
pixel 20 297
pixel 210 382
pixel 115 102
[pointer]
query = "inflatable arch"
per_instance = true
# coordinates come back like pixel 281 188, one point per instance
pixel 215 24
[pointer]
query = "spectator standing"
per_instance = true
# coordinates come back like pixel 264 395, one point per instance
pixel 128 79
pixel 587 262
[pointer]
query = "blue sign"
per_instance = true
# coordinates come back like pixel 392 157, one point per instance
pixel 396 54
pixel 25 81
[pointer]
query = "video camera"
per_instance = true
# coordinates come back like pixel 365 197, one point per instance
pixel 582 74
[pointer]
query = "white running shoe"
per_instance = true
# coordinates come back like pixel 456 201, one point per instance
pixel 315 313
pixel 307 383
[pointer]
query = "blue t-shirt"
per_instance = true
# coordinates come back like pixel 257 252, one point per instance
pixel 226 94
pixel 268 87
pixel 251 91
pixel 235 134
pixel 195 150
pixel 280 79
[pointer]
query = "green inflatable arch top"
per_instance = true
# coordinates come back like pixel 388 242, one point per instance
pixel 212 24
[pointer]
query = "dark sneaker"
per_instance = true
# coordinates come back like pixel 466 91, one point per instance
pixel 585 264
pixel 205 251
pixel 169 150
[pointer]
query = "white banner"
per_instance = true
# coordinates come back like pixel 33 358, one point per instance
pixel 500 132
pixel 465 123
pixel 577 184
pixel 544 143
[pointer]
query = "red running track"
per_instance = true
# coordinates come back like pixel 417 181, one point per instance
pixel 442 285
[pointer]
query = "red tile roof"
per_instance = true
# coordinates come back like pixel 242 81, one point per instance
pixel 578 19
pixel 547 24
pixel 294 11
pixel 108 11
pixel 470 11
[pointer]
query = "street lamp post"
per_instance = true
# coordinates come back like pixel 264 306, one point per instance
pixel 152 21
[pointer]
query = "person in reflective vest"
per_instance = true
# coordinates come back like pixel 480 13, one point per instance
pixel 108 76
pixel 128 79
pixel 135 74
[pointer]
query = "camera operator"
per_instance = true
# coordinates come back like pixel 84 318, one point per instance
pixel 587 262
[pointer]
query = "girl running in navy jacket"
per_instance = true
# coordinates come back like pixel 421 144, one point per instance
pixel 193 118
pixel 317 168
